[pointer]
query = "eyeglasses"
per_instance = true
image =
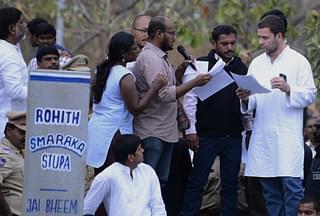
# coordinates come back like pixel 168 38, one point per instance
pixel 172 33
pixel 141 30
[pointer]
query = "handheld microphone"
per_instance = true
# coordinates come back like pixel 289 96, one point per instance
pixel 183 52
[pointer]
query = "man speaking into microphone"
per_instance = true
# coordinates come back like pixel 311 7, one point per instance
pixel 157 124
pixel 216 126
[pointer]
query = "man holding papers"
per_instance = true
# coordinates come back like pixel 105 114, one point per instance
pixel 276 145
pixel 216 126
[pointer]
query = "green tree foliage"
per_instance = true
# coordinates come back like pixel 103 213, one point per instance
pixel 244 15
pixel 312 42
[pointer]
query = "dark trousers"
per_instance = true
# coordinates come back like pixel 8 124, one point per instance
pixel 229 150
pixel 179 172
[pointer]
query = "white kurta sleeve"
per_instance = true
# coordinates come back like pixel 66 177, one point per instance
pixel 156 203
pixel 12 82
pixel 252 104
pixel 304 92
pixel 99 188
pixel 190 107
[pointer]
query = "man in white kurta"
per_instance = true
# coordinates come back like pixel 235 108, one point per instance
pixel 13 69
pixel 276 147
pixel 127 187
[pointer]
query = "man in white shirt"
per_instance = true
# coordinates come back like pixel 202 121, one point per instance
pixel 276 146
pixel 128 187
pixel 13 69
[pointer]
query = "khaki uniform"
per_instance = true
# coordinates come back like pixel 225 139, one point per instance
pixel 11 175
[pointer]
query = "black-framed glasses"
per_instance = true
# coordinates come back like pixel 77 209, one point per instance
pixel 141 30
pixel 172 33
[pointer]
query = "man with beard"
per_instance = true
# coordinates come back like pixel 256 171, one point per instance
pixel 216 126
pixel 276 146
pixel 157 124
pixel 48 58
pixel 13 69
pixel 11 164
pixel 140 29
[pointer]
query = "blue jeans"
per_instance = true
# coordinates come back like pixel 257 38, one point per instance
pixel 229 150
pixel 282 195
pixel 157 153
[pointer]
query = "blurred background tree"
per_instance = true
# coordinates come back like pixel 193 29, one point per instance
pixel 88 25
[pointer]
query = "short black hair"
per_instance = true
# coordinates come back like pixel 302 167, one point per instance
pixel 45 28
pixel 311 199
pixel 222 29
pixel 8 16
pixel 156 23
pixel 46 51
pixel 274 23
pixel 32 24
pixel 124 146
pixel 278 13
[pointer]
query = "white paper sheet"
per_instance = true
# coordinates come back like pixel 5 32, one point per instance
pixel 220 79
pixel 249 83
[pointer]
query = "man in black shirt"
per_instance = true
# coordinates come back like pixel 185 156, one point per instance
pixel 216 126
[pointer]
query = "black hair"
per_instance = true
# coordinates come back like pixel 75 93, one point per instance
pixel 311 199
pixel 137 18
pixel 274 23
pixel 277 13
pixel 119 43
pixel 8 16
pixel 125 145
pixel 222 29
pixel 46 51
pixel 156 23
pixel 45 28
pixel 33 24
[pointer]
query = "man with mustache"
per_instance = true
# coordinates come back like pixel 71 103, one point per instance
pixel 48 58
pixel 216 126
pixel 13 69
pixel 140 29
pixel 276 154
pixel 11 164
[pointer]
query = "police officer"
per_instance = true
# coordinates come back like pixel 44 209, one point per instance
pixel 11 164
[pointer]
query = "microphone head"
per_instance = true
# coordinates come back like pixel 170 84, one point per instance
pixel 181 49
pixel 183 52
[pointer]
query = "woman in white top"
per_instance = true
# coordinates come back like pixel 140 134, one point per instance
pixel 115 98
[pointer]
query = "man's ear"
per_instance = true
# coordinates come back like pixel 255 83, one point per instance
pixel 159 34
pixel 130 157
pixel 9 131
pixel 213 43
pixel 12 29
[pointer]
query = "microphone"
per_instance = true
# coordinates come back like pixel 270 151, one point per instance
pixel 183 52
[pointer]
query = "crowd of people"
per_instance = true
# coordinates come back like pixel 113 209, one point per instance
pixel 136 144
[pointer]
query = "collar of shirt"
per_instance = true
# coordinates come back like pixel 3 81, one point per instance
pixel 156 50
pixel 126 169
pixel 10 45
pixel 217 57
pixel 280 55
